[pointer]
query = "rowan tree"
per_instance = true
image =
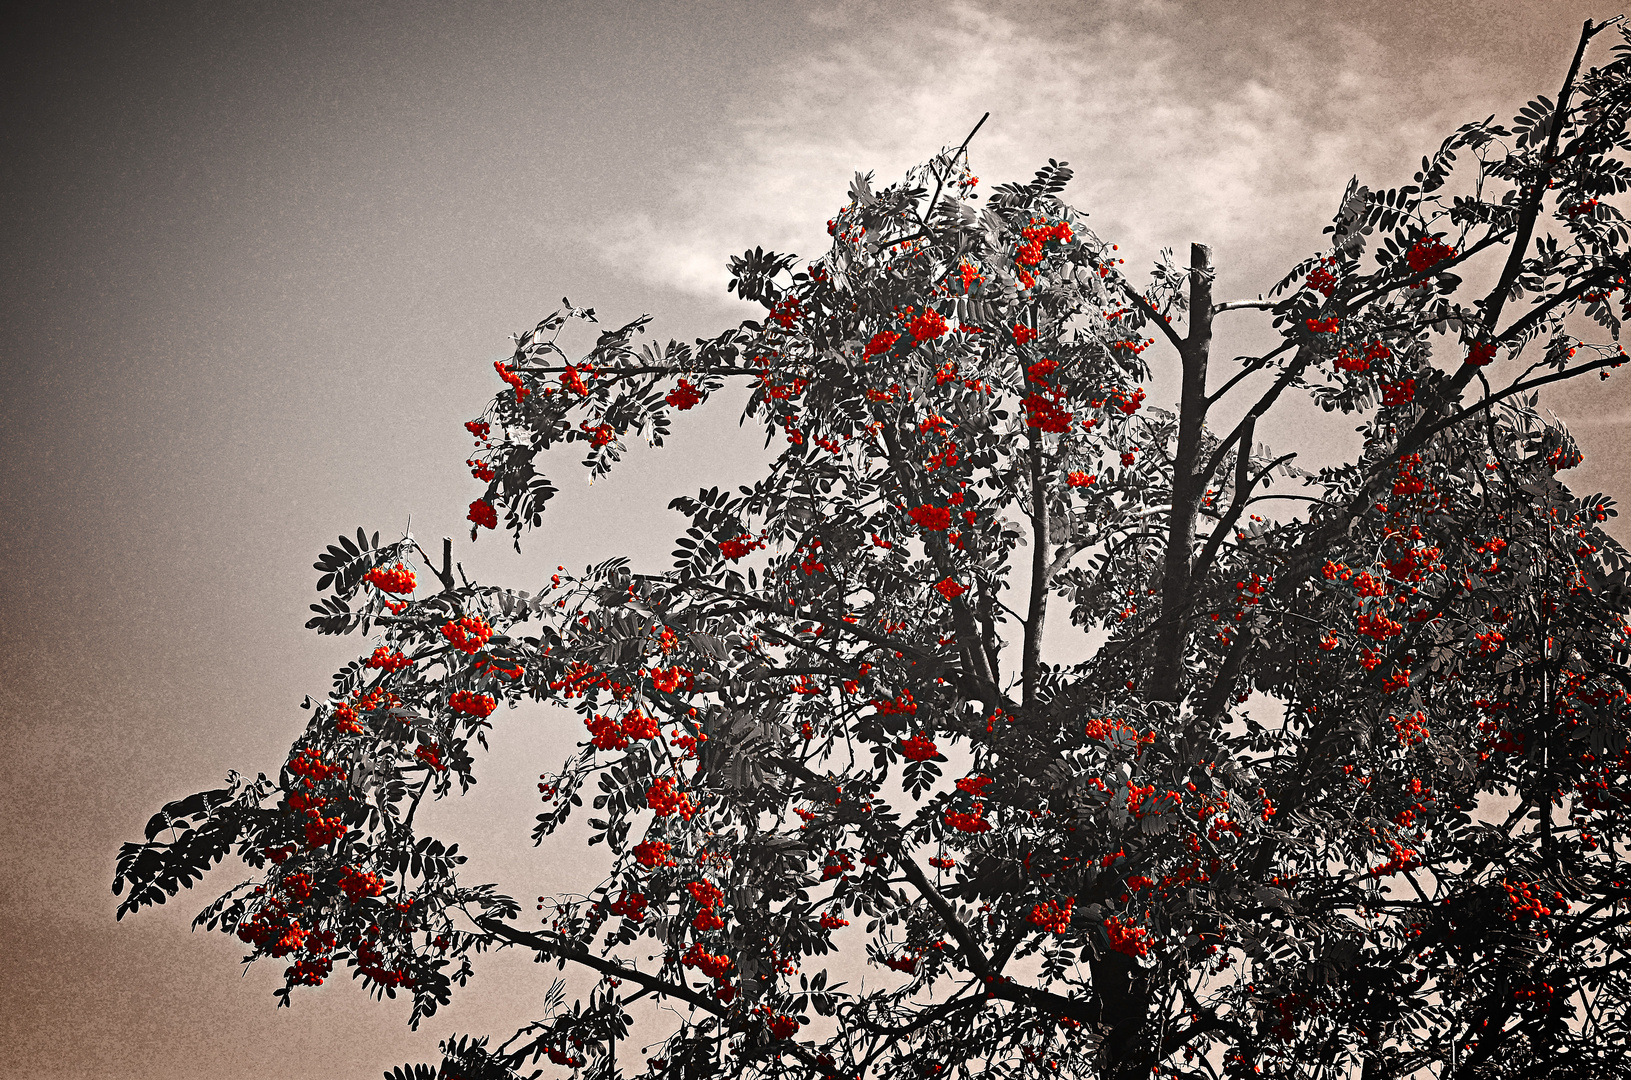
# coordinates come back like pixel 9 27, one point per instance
pixel 862 823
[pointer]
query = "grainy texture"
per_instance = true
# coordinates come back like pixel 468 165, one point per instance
pixel 247 249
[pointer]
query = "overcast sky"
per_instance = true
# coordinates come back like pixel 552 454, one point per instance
pixel 258 261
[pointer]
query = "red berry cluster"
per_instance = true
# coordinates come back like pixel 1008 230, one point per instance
pixel 926 326
pixel 971 822
pixel 468 634
pixel 386 660
pixel 782 1027
pixel 716 967
pixel 670 680
pixel 1427 253
pixel 738 547
pixel 786 312
pixel 508 374
pixel 356 884
pixel 1527 903
pixel 608 733
pixel 1399 393
pixel 709 896
pixel 881 342
pixel 1124 938
pixel 371 962
pixel 1044 408
pixel 931 518
pixel 599 434
pixel 1322 279
pixel 651 853
pixel 1053 917
pixel 666 801
pixel 630 905
pixel 276 931
pixel 919 748
pixel 572 379
pixel 1037 235
pixel 684 396
pixel 470 703
pixel 395 579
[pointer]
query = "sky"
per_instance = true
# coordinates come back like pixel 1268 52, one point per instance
pixel 258 262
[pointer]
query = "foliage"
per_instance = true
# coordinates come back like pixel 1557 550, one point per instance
pixel 1253 833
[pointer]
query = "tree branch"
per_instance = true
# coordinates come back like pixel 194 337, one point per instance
pixel 1255 364
pixel 966 681
pixel 642 369
pixel 1244 483
pixel 1365 298
pixel 1520 329
pixel 978 962
pixel 1293 371
pixel 1187 481
pixel 940 181
pixel 553 945
pixel 1516 388
pixel 983 667
pixel 1147 308
pixel 1036 616
pixel 1496 300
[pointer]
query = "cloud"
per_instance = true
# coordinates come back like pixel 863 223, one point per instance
pixel 1170 141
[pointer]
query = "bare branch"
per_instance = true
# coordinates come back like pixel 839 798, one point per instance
pixel 1245 305
pixel 552 945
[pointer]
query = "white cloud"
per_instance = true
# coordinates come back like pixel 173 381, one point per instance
pixel 1249 158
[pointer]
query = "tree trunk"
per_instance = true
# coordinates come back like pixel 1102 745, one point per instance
pixel 1123 995
pixel 1168 682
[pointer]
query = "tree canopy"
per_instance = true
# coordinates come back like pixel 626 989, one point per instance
pixel 1339 785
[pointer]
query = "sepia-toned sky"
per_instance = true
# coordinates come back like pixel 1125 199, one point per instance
pixel 258 260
